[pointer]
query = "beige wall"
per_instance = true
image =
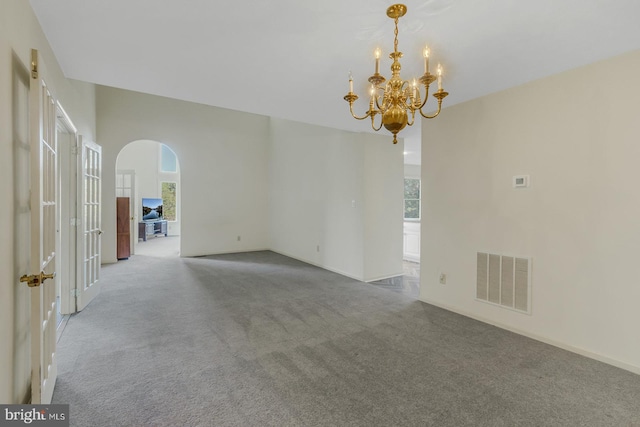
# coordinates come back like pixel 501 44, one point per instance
pixel 224 175
pixel 335 199
pixel 19 33
pixel 577 134
pixel 383 208
pixel 277 184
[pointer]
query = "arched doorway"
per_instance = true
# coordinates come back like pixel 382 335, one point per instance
pixel 148 173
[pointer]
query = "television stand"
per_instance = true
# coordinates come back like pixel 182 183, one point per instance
pixel 152 228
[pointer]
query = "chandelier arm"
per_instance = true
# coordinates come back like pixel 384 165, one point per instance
pixel 373 126
pixel 413 117
pixel 436 113
pixel 356 117
pixel 378 105
pixel 426 97
pixel 439 95
pixel 410 102
pixel 385 102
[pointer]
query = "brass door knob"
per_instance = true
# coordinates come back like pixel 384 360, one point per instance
pixel 31 280
pixel 35 280
pixel 44 276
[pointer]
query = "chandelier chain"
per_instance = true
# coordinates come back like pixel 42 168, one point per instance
pixel 395 40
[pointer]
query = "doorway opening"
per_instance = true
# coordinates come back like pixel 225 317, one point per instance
pixel 148 182
pixel 411 226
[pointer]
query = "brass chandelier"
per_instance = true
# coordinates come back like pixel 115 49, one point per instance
pixel 399 97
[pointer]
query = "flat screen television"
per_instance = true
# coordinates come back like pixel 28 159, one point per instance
pixel 151 209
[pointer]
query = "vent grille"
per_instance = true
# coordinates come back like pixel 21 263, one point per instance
pixel 504 280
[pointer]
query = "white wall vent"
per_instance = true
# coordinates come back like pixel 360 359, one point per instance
pixel 505 281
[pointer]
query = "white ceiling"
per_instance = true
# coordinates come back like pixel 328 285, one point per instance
pixel 290 58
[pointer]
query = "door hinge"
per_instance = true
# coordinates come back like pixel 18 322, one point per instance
pixel 73 222
pixel 75 293
pixel 34 64
pixel 75 150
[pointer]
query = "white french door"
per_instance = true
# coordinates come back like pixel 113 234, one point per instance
pixel 89 223
pixel 44 219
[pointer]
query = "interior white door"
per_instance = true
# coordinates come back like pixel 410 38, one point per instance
pixel 43 183
pixel 66 139
pixel 89 227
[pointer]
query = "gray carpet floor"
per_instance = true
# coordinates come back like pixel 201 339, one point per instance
pixel 408 283
pixel 259 339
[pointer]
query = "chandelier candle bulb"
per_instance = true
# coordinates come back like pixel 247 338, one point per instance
pixel 377 53
pixel 426 59
pixel 350 82
pixel 439 77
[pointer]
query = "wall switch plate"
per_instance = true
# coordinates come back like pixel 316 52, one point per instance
pixel 443 279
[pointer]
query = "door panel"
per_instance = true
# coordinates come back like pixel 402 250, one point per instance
pixel 123 223
pixel 90 217
pixel 44 218
pixel 22 227
pixel 125 187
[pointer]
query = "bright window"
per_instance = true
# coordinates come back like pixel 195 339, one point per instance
pixel 411 198
pixel 169 201
pixel 168 160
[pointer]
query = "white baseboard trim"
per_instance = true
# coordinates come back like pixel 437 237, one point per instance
pixel 385 277
pixel 586 353
pixel 315 264
pixel 335 270
pixel 239 251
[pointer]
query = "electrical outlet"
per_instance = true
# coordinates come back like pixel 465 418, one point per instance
pixel 318 248
pixel 443 279
pixel 238 238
